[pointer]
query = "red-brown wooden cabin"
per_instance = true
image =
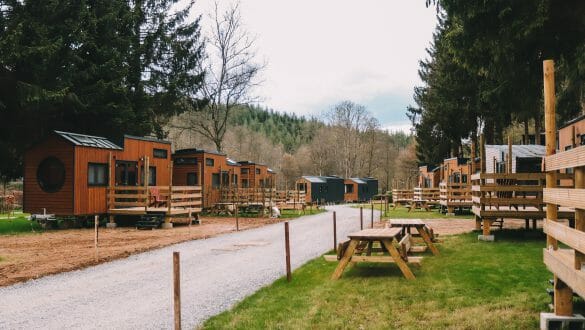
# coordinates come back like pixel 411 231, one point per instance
pixel 68 174
pixel 428 178
pixel 211 169
pixel 255 175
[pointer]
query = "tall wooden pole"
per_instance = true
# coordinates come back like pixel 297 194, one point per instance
pixel 145 183
pixel 334 231
pixel 509 165
pixel 177 289
pixel 287 251
pixel 482 167
pixel 472 157
pixel 563 294
pixel 96 222
pixel 361 217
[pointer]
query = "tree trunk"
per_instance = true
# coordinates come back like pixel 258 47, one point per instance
pixel 526 132
pixel 537 129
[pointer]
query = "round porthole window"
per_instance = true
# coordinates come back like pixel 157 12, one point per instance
pixel 51 174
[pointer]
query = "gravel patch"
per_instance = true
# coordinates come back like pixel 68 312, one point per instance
pixel 136 292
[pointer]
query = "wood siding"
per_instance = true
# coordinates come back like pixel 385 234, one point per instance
pixel 353 196
pixel 35 199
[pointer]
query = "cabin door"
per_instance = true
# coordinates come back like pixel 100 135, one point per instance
pixel 126 173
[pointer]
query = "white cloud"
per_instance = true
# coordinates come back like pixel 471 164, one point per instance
pixel 399 127
pixel 320 52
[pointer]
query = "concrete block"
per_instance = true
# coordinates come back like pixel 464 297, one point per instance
pixel 486 238
pixel 450 214
pixel 549 321
pixel 167 225
pixel 111 225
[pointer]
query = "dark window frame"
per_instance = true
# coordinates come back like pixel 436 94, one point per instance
pixel 162 153
pixel 53 187
pixel 106 174
pixel 209 162
pixel 127 164
pixel 258 171
pixel 194 182
pixel 215 180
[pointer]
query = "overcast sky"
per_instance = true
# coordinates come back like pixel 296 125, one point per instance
pixel 320 52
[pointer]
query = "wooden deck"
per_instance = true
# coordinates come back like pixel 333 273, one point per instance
pixel 431 195
pixel 455 195
pixel 140 200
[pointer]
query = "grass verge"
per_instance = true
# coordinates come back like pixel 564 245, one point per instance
pixel 472 285
pixel 18 225
pixel 402 213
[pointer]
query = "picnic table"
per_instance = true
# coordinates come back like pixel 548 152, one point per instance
pixel 425 232
pixel 367 237
pixel 419 204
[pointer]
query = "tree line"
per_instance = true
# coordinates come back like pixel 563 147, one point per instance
pixel 483 73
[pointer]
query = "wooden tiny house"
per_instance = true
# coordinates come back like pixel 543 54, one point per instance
pixel 67 174
pixel 428 178
pixel 572 134
pixel 212 170
pixel 322 189
pixel 71 174
pixel 255 175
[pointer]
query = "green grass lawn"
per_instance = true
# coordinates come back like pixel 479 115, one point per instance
pixel 472 285
pixel 402 213
pixel 17 225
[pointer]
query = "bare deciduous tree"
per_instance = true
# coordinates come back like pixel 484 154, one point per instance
pixel 231 72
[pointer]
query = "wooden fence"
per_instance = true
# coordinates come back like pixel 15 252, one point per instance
pixel 431 195
pixel 510 195
pixel 567 264
pixel 134 200
pixel 455 195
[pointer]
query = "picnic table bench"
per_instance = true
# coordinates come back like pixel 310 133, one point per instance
pixel 425 232
pixel 418 204
pixel 363 241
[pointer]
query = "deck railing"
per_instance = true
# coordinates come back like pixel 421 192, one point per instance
pixel 455 195
pixel 402 195
pixel 431 195
pixel 186 197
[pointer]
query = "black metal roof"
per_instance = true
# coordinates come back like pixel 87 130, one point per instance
pixel 88 140
pixel 146 138
pixel 196 151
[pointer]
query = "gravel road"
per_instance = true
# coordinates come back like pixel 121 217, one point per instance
pixel 136 293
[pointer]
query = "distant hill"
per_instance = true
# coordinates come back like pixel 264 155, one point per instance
pixel 289 130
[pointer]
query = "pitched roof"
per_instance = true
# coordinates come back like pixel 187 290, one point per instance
pixel 197 151
pixel 314 179
pixel 520 151
pixel 232 162
pixel 146 138
pixel 358 180
pixel 88 140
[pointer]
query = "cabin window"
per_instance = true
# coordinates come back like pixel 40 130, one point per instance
pixel 257 171
pixel 185 161
pixel 126 173
pixel 160 153
pixel 235 180
pixel 245 170
pixel 209 161
pixel 583 139
pixel 192 179
pixel 464 178
pixel 225 178
pixel 456 178
pixel 215 180
pixel 51 174
pixel 245 183
pixel 348 188
pixel 97 174
pixel 151 175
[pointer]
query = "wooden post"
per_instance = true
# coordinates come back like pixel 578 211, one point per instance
pixel 237 220
pixel 482 167
pixel 145 183
pixel 334 232
pixel 472 157
pixel 563 294
pixel 177 289
pixel 361 217
pixel 372 216
pixel 287 251
pixel 96 222
pixel 509 165
pixel 170 198
pixel 110 202
pixel 579 215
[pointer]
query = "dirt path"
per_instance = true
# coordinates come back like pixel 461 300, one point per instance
pixel 25 257
pixel 136 292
